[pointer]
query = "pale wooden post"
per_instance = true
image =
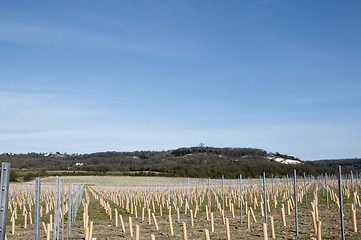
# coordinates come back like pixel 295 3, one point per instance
pixel 283 214
pixel 319 235
pixel 137 232
pixel 170 225
pixel 122 223
pixel 130 226
pixel 206 234
pixel 155 222
pixel 228 232
pixel 273 234
pixel 265 235
pixel 184 227
pixel 192 221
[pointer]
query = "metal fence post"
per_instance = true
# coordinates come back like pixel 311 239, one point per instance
pixel 265 197
pixel 209 204
pixel 4 197
pixel 288 189
pixel 353 192
pixel 37 208
pixel 223 193
pixel 273 199
pixel 341 202
pixel 326 190
pixel 55 224
pixel 240 194
pixel 62 210
pixel 69 211
pixel 296 211
pixel 304 186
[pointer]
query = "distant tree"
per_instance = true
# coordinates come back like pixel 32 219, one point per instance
pixel 102 169
pixel 29 176
pixel 13 175
pixel 42 173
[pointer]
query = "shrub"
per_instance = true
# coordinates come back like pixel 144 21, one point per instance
pixel 29 177
pixel 13 175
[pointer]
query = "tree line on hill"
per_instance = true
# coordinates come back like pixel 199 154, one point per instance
pixel 194 162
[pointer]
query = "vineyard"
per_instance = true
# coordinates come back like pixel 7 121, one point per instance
pixel 179 208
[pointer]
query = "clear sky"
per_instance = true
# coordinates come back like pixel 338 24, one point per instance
pixel 114 75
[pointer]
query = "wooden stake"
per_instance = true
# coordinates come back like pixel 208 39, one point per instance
pixel 228 232
pixel 48 230
pixel 170 225
pixel 184 226
pixel 249 220
pixel 283 214
pixel 122 223
pixel 91 230
pixel 130 226
pixel 288 207
pixel 25 220
pixel 319 237
pixel 137 232
pixel 273 234
pixel 253 216
pixel 13 226
pixel 51 222
pixel 192 221
pixel 30 218
pixel 207 215
pixel 314 221
pixel 44 227
pixel 155 222
pixel 212 223
pixel 264 227
pixel 206 234
pixel 353 218
pixel 232 207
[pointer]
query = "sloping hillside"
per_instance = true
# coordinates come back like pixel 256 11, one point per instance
pixel 185 162
pixel 347 164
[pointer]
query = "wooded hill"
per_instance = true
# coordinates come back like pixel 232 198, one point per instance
pixel 182 162
pixel 353 164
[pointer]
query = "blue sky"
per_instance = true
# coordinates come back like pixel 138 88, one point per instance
pixel 88 76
